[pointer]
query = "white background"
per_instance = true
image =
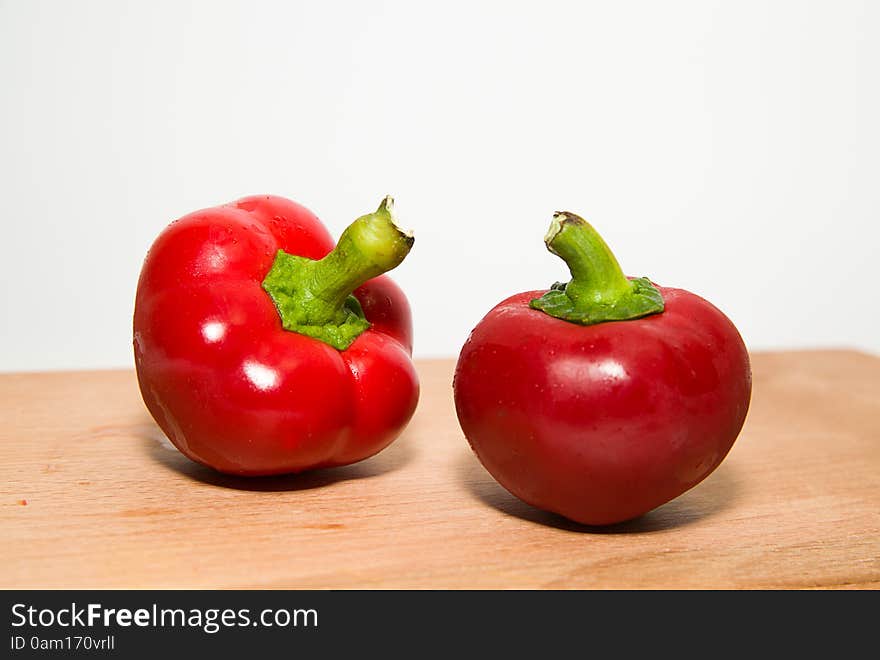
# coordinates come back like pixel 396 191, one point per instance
pixel 729 148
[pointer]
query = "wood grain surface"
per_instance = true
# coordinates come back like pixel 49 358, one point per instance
pixel 91 497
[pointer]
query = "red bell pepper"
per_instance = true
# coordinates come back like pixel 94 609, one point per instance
pixel 262 349
pixel 603 398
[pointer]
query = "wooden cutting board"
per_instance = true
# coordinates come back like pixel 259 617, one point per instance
pixel 90 497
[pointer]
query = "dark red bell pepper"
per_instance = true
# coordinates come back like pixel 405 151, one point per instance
pixel 605 397
pixel 262 349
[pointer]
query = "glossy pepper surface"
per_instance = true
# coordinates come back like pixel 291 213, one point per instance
pixel 605 397
pixel 260 348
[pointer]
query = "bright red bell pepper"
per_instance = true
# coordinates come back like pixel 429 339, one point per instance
pixel 252 354
pixel 605 397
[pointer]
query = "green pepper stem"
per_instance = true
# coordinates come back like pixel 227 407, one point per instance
pixel 595 273
pixel 313 297
pixel 371 245
pixel 598 291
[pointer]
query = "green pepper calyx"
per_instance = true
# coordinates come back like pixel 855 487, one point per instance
pixel 598 290
pixel 314 297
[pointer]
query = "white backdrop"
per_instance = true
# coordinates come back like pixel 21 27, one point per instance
pixel 729 148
